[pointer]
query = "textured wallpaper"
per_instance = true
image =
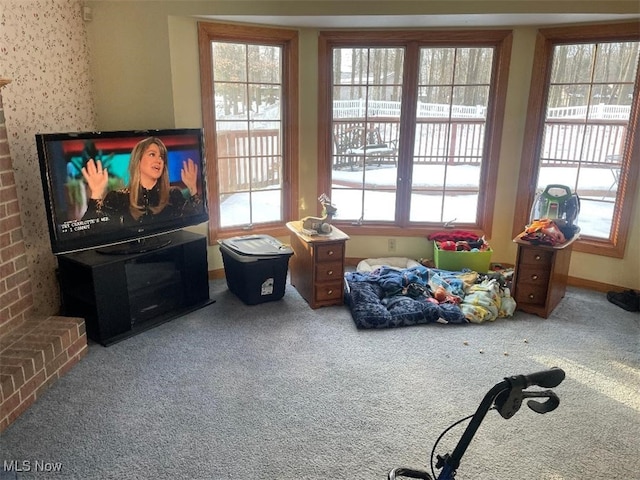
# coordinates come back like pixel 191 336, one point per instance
pixel 44 51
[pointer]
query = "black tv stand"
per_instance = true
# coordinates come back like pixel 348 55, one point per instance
pixel 141 245
pixel 125 294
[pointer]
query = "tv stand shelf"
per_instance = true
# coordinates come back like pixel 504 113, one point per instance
pixel 122 295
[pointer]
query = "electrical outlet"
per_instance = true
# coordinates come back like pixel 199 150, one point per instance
pixel 87 13
pixel 391 245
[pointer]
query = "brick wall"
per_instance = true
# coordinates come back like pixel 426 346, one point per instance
pixel 16 299
pixel 34 352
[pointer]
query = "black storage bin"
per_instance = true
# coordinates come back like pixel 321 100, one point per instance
pixel 255 267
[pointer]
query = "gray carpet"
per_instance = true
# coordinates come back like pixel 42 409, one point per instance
pixel 280 391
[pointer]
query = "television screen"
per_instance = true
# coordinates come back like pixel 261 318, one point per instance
pixel 120 188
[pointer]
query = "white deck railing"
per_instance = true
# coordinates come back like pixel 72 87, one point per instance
pixel 595 112
pixel 379 108
pixel 256 160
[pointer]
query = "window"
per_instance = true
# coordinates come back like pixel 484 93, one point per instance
pixel 410 126
pixel 249 100
pixel 582 129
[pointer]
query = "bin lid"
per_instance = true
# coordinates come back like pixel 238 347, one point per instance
pixel 257 245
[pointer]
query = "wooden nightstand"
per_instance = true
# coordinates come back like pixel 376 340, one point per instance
pixel 317 266
pixel 540 276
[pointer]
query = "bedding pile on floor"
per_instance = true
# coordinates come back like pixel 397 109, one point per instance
pixel 393 297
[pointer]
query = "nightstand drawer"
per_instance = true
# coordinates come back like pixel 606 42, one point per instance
pixel 540 277
pixel 533 256
pixel 533 274
pixel 330 252
pixel 328 271
pixel 328 291
pixel 317 266
pixel 531 294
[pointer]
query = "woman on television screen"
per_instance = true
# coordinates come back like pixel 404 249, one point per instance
pixel 149 196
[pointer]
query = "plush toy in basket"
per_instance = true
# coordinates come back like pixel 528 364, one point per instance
pixel 456 250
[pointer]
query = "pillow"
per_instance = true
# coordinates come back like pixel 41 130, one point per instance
pixel 399 263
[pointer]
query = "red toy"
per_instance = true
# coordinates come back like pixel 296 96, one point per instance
pixel 448 245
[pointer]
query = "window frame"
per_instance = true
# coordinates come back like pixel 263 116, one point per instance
pixel 412 40
pixel 209 32
pixel 546 40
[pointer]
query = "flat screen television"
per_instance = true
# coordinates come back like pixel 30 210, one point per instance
pixel 125 212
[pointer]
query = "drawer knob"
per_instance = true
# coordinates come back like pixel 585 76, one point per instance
pixel 329 292
pixel 330 272
pixel 531 296
pixel 534 277
pixel 330 252
pixel 537 257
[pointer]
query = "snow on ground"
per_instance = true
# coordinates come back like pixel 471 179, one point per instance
pixel 595 214
pixel 594 220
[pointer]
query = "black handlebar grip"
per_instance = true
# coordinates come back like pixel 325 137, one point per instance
pixel 546 378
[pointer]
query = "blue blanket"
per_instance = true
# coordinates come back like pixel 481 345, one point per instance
pixel 388 297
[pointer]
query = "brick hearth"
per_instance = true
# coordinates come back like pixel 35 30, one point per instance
pixel 32 357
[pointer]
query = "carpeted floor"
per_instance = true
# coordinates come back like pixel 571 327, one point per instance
pixel 280 391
